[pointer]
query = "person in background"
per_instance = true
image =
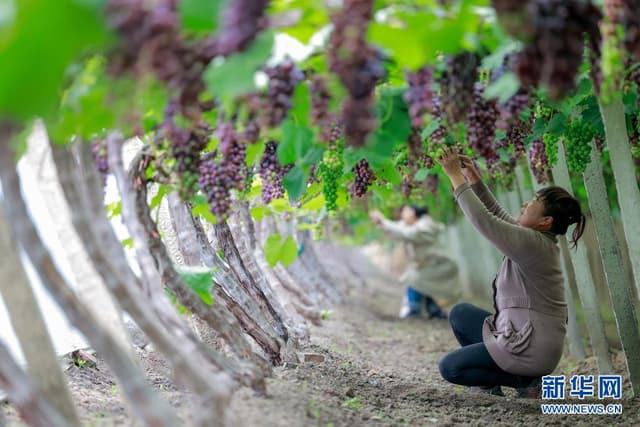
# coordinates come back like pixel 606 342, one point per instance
pixel 429 272
pixel 523 339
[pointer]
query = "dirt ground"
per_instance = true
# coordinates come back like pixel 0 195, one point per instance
pixel 378 371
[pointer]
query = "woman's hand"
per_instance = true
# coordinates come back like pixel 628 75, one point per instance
pixel 376 217
pixel 469 170
pixel 450 162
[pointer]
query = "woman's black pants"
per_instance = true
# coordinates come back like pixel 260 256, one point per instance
pixel 472 364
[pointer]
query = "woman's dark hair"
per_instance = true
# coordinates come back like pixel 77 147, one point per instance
pixel 565 210
pixel 420 210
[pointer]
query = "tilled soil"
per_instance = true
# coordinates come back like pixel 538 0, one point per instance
pixel 377 371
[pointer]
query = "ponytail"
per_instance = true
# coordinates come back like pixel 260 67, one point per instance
pixel 578 231
pixel 565 211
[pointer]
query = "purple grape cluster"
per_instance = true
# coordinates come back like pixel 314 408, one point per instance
pixel 243 20
pixel 358 65
pixel 359 120
pixel 185 147
pixel 539 161
pixel 218 177
pixel 99 150
pixel 554 56
pixel 363 178
pixel 151 41
pixel 456 85
pixel 283 79
pixel 272 173
pixel 431 183
pixel 481 125
pixel 632 27
pixel 512 108
pixel 419 96
pixel 517 133
pixel 320 100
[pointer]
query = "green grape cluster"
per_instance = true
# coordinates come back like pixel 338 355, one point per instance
pixel 330 171
pixel 542 111
pixel 551 147
pixel 578 136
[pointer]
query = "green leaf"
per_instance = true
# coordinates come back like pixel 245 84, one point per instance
pixel 429 129
pixel 503 88
pixel 254 152
pixel 301 104
pixel 315 204
pixel 157 199
pixel 259 212
pixel 387 171
pixel 199 16
pixel 44 37
pixel 272 249
pixel 199 279
pixel 202 209
pixel 556 124
pixel 288 251
pixel 235 76
pixel 127 243
pixel 113 209
pixel 421 175
pixel 296 142
pixel 295 182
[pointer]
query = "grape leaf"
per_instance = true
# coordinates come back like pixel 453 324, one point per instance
pixel 295 182
pixel 199 280
pixel 288 251
pixel 296 142
pixel 503 88
pixel 421 175
pixel 236 75
pixel 199 16
pixel 272 249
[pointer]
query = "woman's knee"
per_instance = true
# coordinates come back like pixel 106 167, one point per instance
pixel 459 313
pixel 448 368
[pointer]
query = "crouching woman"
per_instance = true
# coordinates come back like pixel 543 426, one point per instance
pixel 522 340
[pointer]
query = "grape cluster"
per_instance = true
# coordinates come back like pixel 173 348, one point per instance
pixel 578 136
pixel 612 60
pixel 153 28
pixel 243 20
pixel 431 182
pixel 551 147
pixel 554 56
pixel 359 120
pixel 320 100
pixel 632 28
pixel 539 161
pixel 283 79
pixel 457 85
pixel 503 172
pixel 511 110
pixel 481 125
pixel 517 133
pixel 363 178
pixel 272 173
pixel 419 96
pixel 184 147
pixel 229 172
pixel 330 171
pixel 99 150
pixel 407 185
pixel 358 65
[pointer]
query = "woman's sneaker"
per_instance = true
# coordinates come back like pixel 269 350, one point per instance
pixel 532 391
pixel 412 304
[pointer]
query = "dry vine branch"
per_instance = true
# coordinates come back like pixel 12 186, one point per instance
pixel 145 403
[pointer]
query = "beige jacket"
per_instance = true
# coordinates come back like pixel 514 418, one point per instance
pixel 527 337
pixel 430 270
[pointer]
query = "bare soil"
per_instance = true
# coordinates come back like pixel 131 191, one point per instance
pixel 378 371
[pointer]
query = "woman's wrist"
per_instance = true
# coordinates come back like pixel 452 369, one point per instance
pixel 457 179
